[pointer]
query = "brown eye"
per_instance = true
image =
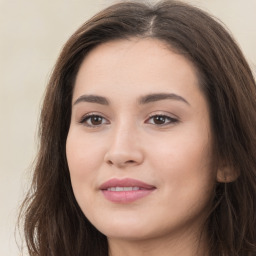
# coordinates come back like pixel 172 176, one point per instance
pixel 161 120
pixel 96 120
pixel 93 120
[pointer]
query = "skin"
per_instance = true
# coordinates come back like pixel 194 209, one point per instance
pixel 126 140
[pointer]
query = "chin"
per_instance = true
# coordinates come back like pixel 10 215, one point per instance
pixel 125 229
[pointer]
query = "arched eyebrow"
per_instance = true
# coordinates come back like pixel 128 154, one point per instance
pixel 161 96
pixel 92 99
pixel 142 100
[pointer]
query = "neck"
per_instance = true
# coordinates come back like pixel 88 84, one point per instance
pixel 185 245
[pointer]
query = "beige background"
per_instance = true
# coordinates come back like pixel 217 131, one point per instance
pixel 32 33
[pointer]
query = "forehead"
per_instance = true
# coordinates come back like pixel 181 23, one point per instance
pixel 138 65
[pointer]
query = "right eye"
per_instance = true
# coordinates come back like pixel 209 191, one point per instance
pixel 93 120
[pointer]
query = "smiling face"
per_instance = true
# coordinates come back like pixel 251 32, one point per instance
pixel 141 124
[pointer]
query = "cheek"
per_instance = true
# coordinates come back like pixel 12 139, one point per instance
pixel 83 155
pixel 186 154
pixel 83 162
pixel 184 165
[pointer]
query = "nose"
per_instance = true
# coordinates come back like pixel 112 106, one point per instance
pixel 124 149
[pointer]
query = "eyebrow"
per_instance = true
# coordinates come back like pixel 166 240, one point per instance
pixel 161 96
pixel 93 99
pixel 142 100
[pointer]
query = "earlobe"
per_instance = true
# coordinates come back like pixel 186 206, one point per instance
pixel 227 175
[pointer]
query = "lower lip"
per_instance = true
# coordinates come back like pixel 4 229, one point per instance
pixel 126 196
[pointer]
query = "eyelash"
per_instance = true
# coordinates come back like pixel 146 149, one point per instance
pixel 165 118
pixel 88 117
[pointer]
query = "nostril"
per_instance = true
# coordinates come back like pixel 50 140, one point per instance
pixel 130 161
pixel 109 162
pixel 126 162
pixel 122 159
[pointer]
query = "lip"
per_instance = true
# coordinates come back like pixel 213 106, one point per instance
pixel 142 190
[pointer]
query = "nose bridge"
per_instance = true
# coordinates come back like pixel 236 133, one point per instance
pixel 124 148
pixel 122 133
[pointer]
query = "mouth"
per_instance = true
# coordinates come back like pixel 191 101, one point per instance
pixel 125 190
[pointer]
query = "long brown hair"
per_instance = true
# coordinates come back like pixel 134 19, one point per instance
pixel 53 222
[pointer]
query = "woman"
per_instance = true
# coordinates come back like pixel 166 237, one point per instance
pixel 148 140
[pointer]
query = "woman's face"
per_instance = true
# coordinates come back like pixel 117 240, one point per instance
pixel 139 145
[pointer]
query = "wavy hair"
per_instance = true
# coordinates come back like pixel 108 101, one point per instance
pixel 53 222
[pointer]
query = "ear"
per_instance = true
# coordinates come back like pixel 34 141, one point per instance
pixel 227 175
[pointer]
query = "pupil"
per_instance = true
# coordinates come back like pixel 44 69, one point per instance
pixel 159 120
pixel 96 120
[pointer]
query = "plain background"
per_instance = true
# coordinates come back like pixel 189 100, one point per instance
pixel 32 34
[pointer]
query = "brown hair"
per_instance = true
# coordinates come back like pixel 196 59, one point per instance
pixel 53 222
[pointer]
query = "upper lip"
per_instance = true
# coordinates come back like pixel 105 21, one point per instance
pixel 127 182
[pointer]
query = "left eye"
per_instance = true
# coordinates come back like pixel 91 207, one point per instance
pixel 93 120
pixel 161 120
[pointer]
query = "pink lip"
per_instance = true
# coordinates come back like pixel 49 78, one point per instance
pixel 126 196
